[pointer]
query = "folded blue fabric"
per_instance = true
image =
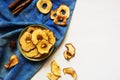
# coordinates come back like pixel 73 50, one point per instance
pixel 10 28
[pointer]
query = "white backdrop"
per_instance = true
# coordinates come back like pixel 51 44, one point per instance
pixel 95 32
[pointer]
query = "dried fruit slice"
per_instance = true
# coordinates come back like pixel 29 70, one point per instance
pixel 51 37
pixel 12 62
pixel 70 48
pixel 67 55
pixel 46 31
pixel 44 47
pixel 38 35
pixel 51 76
pixel 31 29
pixel 70 71
pixel 37 56
pixel 64 10
pixel 31 53
pixel 53 14
pixel 60 20
pixel 70 52
pixel 55 68
pixel 60 15
pixel 44 6
pixel 25 42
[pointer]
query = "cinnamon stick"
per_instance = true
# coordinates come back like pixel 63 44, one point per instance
pixel 17 11
pixel 14 4
pixel 19 7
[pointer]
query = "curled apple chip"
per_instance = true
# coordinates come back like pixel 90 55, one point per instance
pixel 67 55
pixel 71 72
pixel 70 52
pixel 55 68
pixel 70 48
pixel 51 76
pixel 12 62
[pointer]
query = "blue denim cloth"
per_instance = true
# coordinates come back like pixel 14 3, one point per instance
pixel 10 28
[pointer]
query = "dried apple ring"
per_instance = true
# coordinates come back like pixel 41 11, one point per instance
pixel 25 42
pixel 64 10
pixel 51 37
pixel 38 35
pixel 53 14
pixel 60 20
pixel 44 47
pixel 44 6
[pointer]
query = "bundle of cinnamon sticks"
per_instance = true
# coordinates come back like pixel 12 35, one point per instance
pixel 18 5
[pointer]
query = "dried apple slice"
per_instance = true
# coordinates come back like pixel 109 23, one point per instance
pixel 64 10
pixel 31 53
pixel 37 56
pixel 51 76
pixel 71 49
pixel 67 56
pixel 53 14
pixel 44 6
pixel 12 62
pixel 60 20
pixel 25 42
pixel 71 72
pixel 55 68
pixel 44 47
pixel 70 52
pixel 51 37
pixel 38 35
pixel 31 29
